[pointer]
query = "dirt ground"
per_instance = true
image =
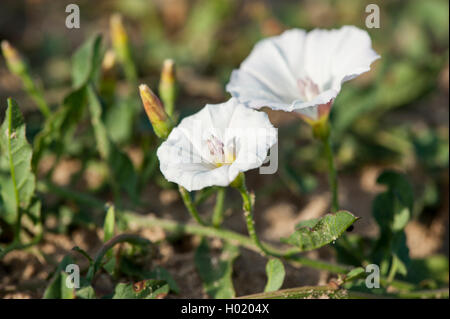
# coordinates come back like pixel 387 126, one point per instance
pixel 25 274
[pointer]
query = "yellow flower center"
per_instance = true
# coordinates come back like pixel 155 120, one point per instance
pixel 220 155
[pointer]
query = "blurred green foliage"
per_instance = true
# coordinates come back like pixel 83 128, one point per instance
pixel 396 115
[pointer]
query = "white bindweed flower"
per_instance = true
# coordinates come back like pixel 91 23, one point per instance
pixel 214 145
pixel 300 71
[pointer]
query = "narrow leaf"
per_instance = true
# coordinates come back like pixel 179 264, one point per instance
pixel 57 289
pixel 108 226
pixel 86 61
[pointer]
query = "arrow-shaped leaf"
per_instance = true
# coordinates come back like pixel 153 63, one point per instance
pixel 17 190
pixel 216 273
pixel 316 233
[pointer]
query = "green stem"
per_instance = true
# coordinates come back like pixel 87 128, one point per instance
pixel 239 183
pixel 203 195
pixel 169 225
pixel 332 175
pixel 332 292
pixel 82 198
pixel 419 294
pixel 181 228
pixel 301 293
pixel 144 221
pixel 217 216
pixel 130 238
pixel 16 245
pixel 248 213
pixel 190 205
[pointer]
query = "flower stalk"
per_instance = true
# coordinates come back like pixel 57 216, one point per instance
pixel 248 203
pixel 217 217
pixel 332 174
pixel 322 132
pixel 190 205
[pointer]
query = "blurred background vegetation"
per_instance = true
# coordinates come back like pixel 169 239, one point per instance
pixel 395 116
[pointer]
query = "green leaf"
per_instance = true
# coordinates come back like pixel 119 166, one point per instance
pixel 85 293
pixel 354 274
pixel 146 289
pixel 129 238
pixel 120 165
pixel 57 289
pixel 297 182
pixel 398 184
pixel 431 148
pixel 216 272
pixel 162 274
pixel 60 126
pixel 34 210
pixel 324 231
pixel 392 211
pixel 310 223
pixel 82 252
pixel 18 190
pixel 108 233
pixel 108 226
pixel 431 271
pixel 389 213
pixel 275 275
pixel 130 269
pixel 201 27
pixel 87 61
pixel 119 119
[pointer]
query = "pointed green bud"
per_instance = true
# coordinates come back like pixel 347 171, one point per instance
pixel 119 36
pixel 13 59
pixel 161 122
pixel 167 86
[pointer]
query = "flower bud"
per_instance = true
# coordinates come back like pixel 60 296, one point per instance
pixel 155 111
pixel 13 59
pixel 167 86
pixel 119 36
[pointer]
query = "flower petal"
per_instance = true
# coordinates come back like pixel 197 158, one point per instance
pixel 267 74
pixel 184 156
pixel 335 56
pixel 254 135
pixel 324 59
